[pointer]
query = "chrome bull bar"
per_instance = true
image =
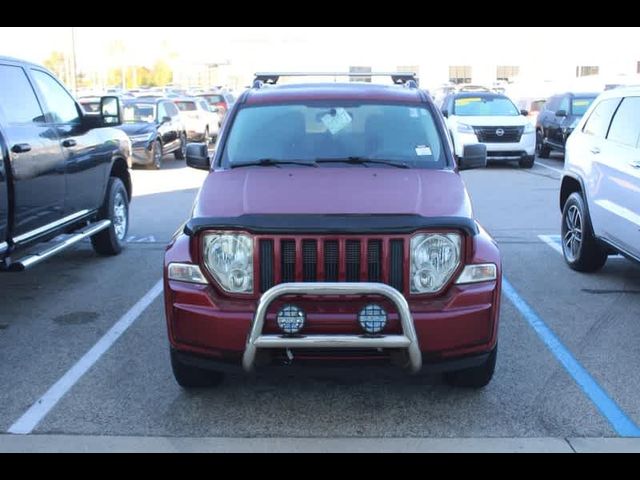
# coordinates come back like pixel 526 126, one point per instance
pixel 408 340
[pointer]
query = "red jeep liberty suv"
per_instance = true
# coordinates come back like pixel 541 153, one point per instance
pixel 333 230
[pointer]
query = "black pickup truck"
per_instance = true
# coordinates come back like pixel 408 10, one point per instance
pixel 64 173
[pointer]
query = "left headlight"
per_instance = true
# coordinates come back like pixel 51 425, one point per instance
pixel 229 259
pixel 528 128
pixel 464 128
pixel 434 259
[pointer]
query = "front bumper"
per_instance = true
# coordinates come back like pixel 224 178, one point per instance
pixel 459 325
pixel 510 151
pixel 141 154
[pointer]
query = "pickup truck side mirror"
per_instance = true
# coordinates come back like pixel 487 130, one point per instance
pixel 524 113
pixel 473 156
pixel 445 113
pixel 198 156
pixel 165 120
pixel 110 111
pixel 561 113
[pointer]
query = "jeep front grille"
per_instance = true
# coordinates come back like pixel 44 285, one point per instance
pixel 331 259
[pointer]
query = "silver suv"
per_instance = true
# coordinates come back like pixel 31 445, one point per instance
pixel 600 193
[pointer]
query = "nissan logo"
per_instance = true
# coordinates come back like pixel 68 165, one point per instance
pixel 499 132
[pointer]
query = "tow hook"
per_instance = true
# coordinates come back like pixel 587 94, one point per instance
pixel 289 354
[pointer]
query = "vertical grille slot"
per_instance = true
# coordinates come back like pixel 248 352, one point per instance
pixel 331 261
pixel 374 260
pixel 353 260
pixel 396 257
pixel 309 261
pixel 288 253
pixel 266 265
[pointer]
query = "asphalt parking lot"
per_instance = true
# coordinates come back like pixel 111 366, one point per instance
pixel 567 367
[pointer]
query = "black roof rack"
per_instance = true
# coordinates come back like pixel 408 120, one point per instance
pixel 399 78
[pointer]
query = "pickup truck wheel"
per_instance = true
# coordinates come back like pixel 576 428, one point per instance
pixel 188 376
pixel 474 377
pixel 116 208
pixel 543 150
pixel 207 136
pixel 181 153
pixel 579 245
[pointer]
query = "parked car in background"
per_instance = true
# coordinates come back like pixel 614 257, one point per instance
pixel 301 250
pixel 557 120
pixel 533 105
pixel 200 122
pixel 155 128
pixel 600 193
pixel 491 119
pixel 219 102
pixel 90 104
pixel 64 174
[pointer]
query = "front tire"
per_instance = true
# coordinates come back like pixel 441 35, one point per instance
pixel 156 156
pixel 188 376
pixel 580 248
pixel 527 162
pixel 543 150
pixel 181 153
pixel 474 377
pixel 111 241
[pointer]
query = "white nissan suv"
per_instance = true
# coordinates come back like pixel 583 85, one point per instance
pixel 600 192
pixel 491 119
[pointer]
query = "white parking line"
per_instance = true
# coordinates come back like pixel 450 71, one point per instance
pixel 32 417
pixel 557 170
pixel 553 241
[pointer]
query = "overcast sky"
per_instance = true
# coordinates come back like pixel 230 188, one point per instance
pixel 327 47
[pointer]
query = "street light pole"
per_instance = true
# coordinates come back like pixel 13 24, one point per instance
pixel 73 53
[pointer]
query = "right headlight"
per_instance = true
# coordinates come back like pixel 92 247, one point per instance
pixel 434 259
pixel 228 257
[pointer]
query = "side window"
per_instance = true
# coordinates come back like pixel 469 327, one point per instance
pixel 162 111
pixel 565 104
pixel 203 105
pixel 552 104
pixel 625 126
pixel 172 110
pixel 61 108
pixel 600 118
pixel 17 99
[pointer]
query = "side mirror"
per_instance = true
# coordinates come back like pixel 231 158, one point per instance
pixel 445 113
pixel 524 113
pixel 561 113
pixel 473 156
pixel 198 156
pixel 110 111
pixel 165 120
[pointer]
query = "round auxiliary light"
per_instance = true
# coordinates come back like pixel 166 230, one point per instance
pixel 373 318
pixel 290 319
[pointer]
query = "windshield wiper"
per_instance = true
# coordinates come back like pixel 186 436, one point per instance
pixel 362 161
pixel 272 162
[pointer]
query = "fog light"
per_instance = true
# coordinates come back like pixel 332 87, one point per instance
pixel 290 319
pixel 372 318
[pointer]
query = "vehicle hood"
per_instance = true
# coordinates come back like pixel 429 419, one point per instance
pixel 137 128
pixel 502 121
pixel 349 190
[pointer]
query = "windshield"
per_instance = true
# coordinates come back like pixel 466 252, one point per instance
pixel 580 105
pixel 484 106
pixel 311 132
pixel 139 113
pixel 186 106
